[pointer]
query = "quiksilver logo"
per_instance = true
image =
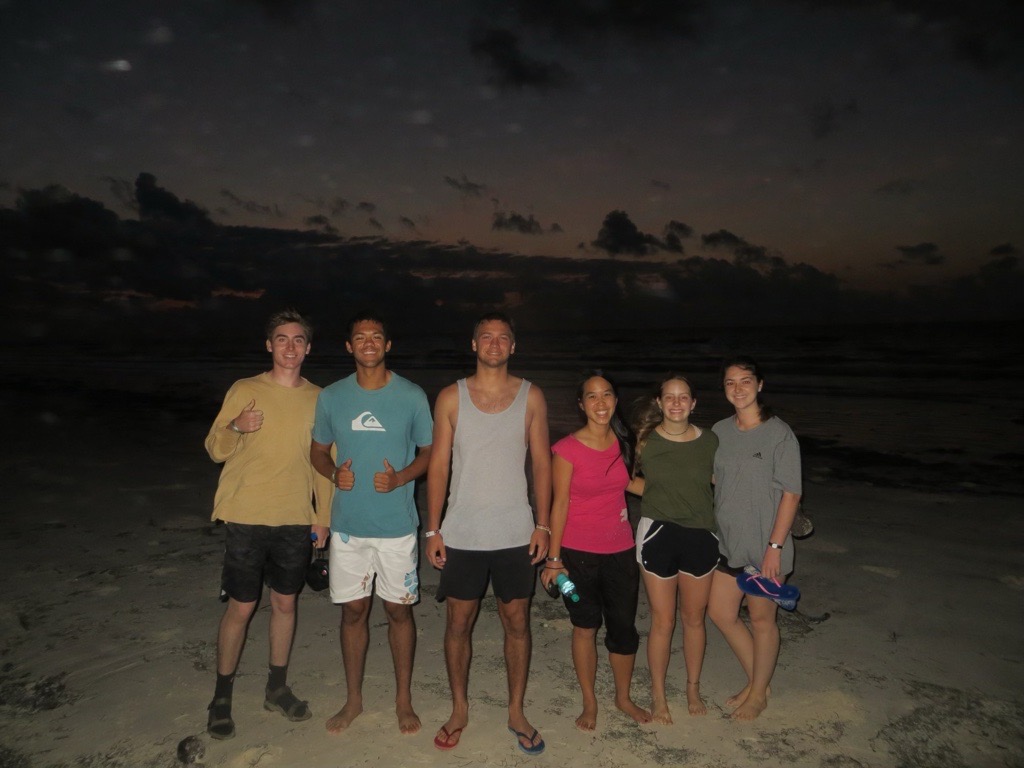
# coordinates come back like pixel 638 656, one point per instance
pixel 367 422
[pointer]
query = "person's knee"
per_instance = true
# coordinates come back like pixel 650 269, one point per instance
pixel 239 612
pixel 398 614
pixel 624 641
pixel 283 603
pixel 355 612
pixel 763 623
pixel 515 618
pixel 663 621
pixel 693 619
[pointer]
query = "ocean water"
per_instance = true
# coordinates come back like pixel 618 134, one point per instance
pixel 934 407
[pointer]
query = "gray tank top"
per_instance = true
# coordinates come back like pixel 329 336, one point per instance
pixel 488 505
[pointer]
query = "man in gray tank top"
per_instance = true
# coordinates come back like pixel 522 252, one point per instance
pixel 483 427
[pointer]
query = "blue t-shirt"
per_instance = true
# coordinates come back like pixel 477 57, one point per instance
pixel 368 426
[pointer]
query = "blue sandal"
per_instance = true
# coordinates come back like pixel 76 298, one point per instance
pixel 756 585
pixel 533 749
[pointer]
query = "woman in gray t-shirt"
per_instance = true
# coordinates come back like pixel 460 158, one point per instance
pixel 757 493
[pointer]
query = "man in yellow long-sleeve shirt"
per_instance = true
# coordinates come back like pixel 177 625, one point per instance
pixel 265 498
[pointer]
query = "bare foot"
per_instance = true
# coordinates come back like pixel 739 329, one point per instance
pixel 408 720
pixel 587 721
pixel 738 698
pixel 750 709
pixel 344 717
pixel 450 733
pixel 660 713
pixel 630 708
pixel 694 702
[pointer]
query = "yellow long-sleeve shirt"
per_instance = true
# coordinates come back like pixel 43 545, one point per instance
pixel 267 478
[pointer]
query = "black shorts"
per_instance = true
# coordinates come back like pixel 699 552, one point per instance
pixel 466 572
pixel 608 585
pixel 666 549
pixel 277 554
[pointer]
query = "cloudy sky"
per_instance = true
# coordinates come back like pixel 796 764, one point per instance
pixel 879 142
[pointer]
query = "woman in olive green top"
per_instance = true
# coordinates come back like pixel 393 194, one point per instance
pixel 676 544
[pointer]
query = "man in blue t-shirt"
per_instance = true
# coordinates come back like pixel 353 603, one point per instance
pixel 381 428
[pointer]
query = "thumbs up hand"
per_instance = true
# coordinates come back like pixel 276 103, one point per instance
pixel 386 481
pixel 344 478
pixel 249 420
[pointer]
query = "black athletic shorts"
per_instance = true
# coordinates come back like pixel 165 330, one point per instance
pixel 666 549
pixel 254 554
pixel 466 572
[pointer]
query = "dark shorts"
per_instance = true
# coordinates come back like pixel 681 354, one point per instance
pixel 608 585
pixel 466 572
pixel 666 549
pixel 254 554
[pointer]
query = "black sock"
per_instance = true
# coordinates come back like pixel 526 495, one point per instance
pixel 277 677
pixel 225 686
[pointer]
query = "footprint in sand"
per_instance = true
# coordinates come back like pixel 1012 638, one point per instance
pixel 890 573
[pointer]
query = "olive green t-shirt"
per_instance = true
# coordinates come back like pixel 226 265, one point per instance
pixel 678 480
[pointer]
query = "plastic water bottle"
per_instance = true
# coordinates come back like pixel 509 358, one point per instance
pixel 567 588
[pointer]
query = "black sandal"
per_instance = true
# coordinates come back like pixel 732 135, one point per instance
pixel 284 701
pixel 219 724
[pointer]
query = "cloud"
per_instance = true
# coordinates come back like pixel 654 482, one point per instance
pixel 408 223
pixel 251 205
pixel 124 191
pixel 555 228
pixel 675 233
pixel 465 187
pixel 619 235
pixel 515 222
pixel 375 224
pixel 321 222
pixel 744 254
pixel 365 207
pixel 511 69
pixel 157 203
pixel 662 185
pixel 1005 249
pixel 826 116
pixel 922 253
pixel 985 34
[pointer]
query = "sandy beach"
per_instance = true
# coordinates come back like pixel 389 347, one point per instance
pixel 907 648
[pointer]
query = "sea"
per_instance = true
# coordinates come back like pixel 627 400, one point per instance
pixel 933 407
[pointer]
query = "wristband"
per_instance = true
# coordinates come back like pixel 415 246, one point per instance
pixel 773 545
pixel 334 477
pixel 234 427
pixel 428 534
pixel 542 528
pixel 553 559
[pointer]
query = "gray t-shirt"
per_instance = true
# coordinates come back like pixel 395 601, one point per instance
pixel 488 503
pixel 752 470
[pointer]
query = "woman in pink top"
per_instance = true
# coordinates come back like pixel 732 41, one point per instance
pixel 592 542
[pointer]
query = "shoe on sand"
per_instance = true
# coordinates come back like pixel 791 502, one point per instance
pixel 533 749
pixel 449 739
pixel 219 723
pixel 284 701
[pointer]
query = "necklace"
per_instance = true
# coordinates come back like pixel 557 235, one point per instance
pixel 675 434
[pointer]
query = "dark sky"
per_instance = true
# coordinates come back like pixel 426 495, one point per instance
pixel 878 143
